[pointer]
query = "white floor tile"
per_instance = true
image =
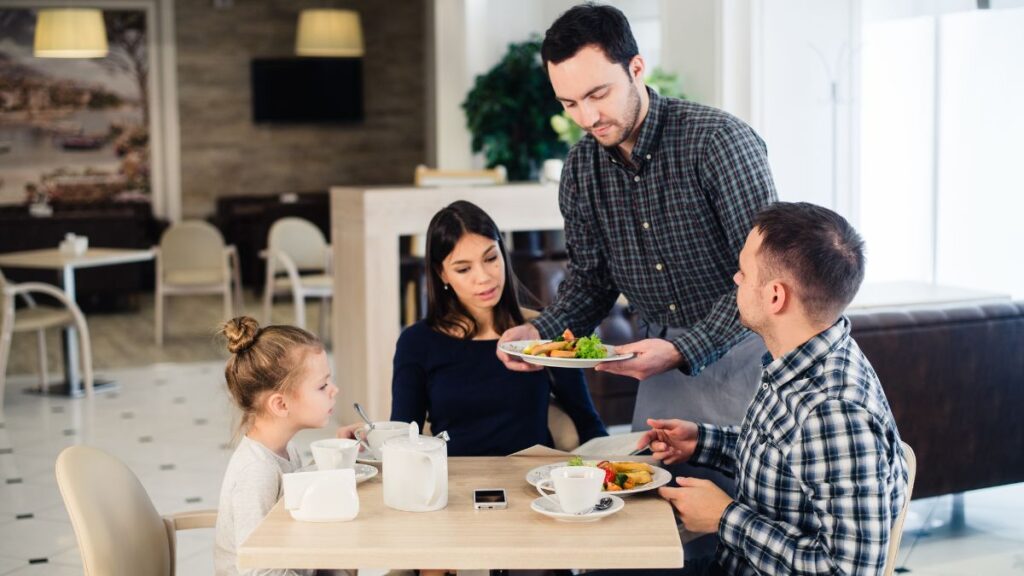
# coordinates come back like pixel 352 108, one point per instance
pixel 48 569
pixel 10 564
pixel 34 538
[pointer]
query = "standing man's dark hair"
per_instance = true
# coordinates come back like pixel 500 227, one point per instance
pixel 587 24
pixel 818 248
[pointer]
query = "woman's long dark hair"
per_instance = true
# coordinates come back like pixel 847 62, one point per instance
pixel 445 313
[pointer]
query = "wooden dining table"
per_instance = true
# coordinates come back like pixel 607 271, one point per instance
pixel 641 535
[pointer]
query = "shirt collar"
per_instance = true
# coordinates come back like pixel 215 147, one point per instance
pixel 790 366
pixel 650 131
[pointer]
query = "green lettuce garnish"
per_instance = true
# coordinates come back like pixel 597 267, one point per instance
pixel 590 347
pixel 576 461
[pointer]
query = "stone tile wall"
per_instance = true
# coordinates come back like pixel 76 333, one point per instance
pixel 224 153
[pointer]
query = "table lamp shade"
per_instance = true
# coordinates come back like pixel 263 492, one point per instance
pixel 328 32
pixel 70 33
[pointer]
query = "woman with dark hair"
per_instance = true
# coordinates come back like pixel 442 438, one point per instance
pixel 445 367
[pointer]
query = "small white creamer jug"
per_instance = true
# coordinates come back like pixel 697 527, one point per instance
pixel 415 470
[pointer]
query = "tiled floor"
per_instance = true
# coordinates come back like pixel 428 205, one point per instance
pixel 171 423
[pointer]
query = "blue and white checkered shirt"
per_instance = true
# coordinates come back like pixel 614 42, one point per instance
pixel 820 473
pixel 666 231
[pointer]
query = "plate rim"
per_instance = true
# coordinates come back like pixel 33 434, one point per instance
pixel 652 485
pixel 540 360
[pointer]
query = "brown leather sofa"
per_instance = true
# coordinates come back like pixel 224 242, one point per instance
pixel 954 377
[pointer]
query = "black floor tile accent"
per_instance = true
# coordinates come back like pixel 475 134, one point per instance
pixel 57 409
pixel 6 450
pixel 179 400
pixel 13 481
pixel 145 439
pixel 167 466
pixel 69 432
pixel 38 560
pixel 201 421
pixel 127 415
pixel 28 516
pixel 193 500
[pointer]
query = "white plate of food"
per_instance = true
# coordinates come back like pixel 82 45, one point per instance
pixel 639 476
pixel 566 351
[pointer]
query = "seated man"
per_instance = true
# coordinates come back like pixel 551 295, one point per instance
pixel 820 474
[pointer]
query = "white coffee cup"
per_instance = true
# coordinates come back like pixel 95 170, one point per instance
pixel 577 487
pixel 335 453
pixel 322 496
pixel 382 432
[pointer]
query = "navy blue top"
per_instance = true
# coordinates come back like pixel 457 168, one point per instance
pixel 487 409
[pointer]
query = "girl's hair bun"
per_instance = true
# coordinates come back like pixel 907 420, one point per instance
pixel 241 333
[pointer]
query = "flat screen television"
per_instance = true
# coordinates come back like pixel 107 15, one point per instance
pixel 307 90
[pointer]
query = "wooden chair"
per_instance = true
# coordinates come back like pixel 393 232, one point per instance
pixel 34 318
pixel 118 530
pixel 897 527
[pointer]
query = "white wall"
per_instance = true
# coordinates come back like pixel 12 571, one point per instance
pixel 804 46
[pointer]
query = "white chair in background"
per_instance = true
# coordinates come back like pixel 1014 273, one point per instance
pixel 193 259
pixel 119 532
pixel 295 246
pixel 35 318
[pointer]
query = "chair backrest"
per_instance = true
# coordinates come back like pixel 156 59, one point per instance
pixel 192 245
pixel 119 532
pixel 435 177
pixel 897 527
pixel 301 240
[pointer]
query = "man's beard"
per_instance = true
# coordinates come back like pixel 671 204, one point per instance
pixel 632 115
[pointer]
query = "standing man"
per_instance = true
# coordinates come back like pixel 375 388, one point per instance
pixel 820 470
pixel 657 200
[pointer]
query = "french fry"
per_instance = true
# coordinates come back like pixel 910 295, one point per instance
pixel 563 353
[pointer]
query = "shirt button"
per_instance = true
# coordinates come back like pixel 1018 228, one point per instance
pixel 658 266
pixel 672 307
pixel 764 386
pixel 648 156
pixel 647 225
pixel 636 178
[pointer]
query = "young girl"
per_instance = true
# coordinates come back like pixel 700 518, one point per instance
pixel 280 379
pixel 446 369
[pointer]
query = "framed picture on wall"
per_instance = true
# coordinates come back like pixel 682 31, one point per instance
pixel 84 130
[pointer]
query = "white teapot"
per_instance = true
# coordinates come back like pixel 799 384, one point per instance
pixel 415 470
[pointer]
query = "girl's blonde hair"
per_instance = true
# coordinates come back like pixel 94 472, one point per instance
pixel 263 360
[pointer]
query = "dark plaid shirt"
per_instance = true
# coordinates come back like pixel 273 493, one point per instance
pixel 667 231
pixel 820 472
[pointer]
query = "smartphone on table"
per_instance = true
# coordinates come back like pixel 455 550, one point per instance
pixel 490 499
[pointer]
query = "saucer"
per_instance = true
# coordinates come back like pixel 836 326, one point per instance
pixel 368 458
pixel 549 508
pixel 364 472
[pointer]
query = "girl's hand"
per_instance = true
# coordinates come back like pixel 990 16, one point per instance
pixel 348 431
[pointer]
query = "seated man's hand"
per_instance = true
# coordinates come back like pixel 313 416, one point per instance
pixel 515 334
pixel 699 503
pixel 348 431
pixel 671 441
pixel 651 356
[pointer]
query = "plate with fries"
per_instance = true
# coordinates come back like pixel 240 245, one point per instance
pixel 566 351
pixel 624 477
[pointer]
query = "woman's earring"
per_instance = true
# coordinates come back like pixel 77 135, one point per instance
pixel 446 286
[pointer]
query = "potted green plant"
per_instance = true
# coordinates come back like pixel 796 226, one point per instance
pixel 508 112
